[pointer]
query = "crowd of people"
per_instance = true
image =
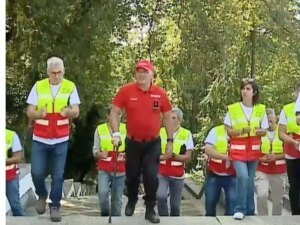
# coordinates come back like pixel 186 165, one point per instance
pixel 249 151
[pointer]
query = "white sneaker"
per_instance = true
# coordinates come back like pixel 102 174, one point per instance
pixel 238 216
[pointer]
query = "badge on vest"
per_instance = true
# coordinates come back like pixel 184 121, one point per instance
pixel 155 105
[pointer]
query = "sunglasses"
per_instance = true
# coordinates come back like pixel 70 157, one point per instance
pixel 248 79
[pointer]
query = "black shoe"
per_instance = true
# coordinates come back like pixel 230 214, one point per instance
pixel 151 216
pixel 129 209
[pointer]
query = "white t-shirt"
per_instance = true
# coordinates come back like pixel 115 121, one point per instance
pixel 211 139
pixel 33 100
pixel 16 146
pixel 297 108
pixel 248 111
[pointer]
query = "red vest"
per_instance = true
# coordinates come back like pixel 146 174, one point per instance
pixel 171 168
pixel 53 125
pixel 218 166
pixel 11 172
pixel 245 148
pixel 275 167
pixel 290 148
pixel 108 163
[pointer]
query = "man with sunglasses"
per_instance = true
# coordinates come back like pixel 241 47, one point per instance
pixel 144 103
pixel 52 103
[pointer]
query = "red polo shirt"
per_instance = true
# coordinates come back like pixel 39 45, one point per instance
pixel 143 109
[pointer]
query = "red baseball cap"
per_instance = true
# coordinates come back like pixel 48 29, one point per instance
pixel 145 64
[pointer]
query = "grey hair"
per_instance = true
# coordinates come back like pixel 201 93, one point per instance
pixel 178 112
pixel 55 62
pixel 270 111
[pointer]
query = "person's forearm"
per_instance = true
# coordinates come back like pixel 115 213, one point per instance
pixel 214 154
pixel 168 123
pixel 114 121
pixel 13 160
pixel 286 138
pixel 279 156
pixel 182 158
pixel 234 132
pixel 33 114
pixel 73 112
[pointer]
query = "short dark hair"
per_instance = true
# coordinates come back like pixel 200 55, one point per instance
pixel 254 86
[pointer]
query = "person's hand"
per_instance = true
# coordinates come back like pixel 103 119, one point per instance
pixel 121 157
pixel 43 112
pixel 169 150
pixel 263 159
pixel 297 145
pixel 64 112
pixel 162 157
pixel 116 139
pixel 102 155
pixel 246 130
pixel 259 132
pixel 271 157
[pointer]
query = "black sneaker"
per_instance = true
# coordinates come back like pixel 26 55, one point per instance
pixel 129 209
pixel 151 215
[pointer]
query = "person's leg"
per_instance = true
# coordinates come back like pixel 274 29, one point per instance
pixel 262 189
pixel 293 172
pixel 103 191
pixel 133 173
pixel 277 190
pixel 229 185
pixel 242 178
pixel 13 196
pixel 39 159
pixel 162 196
pixel 250 206
pixel 212 194
pixel 150 163
pixel 176 186
pixel 117 192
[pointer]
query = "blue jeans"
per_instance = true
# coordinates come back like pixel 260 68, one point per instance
pixel 55 157
pixel 245 186
pixel 174 186
pixel 213 188
pixel 13 196
pixel 105 180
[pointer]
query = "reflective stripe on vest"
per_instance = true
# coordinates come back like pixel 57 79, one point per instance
pixel 239 120
pixel 107 164
pixel 11 170
pixel 272 146
pixel 218 166
pixel 292 128
pixel 245 147
pixel 172 167
pixel 53 125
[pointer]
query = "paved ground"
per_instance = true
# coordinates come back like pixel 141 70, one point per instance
pixel 139 220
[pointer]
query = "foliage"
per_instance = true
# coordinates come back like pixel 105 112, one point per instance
pixel 201 50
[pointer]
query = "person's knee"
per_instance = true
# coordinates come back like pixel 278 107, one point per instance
pixel 162 196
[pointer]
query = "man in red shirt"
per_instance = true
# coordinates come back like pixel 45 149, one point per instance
pixel 144 103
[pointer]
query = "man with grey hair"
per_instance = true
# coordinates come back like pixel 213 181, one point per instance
pixel 52 102
pixel 171 171
pixel 271 169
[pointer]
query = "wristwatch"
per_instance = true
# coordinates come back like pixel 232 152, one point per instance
pixel 170 140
